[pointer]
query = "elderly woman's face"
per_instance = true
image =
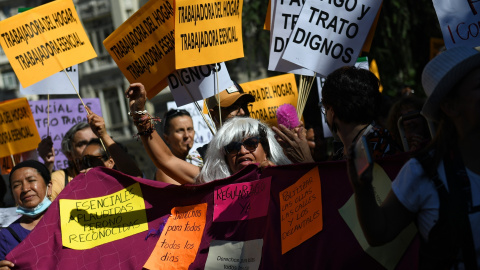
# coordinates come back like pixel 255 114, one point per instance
pixel 28 187
pixel 243 153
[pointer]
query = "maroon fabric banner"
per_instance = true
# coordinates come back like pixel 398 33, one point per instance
pixel 334 247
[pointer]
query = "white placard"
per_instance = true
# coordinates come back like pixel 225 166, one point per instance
pixel 201 82
pixel 459 21
pixel 284 16
pixel 234 255
pixel 203 134
pixel 8 216
pixel 330 34
pixel 57 84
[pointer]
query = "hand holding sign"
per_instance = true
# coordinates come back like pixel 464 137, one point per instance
pixel 137 97
pixel 97 124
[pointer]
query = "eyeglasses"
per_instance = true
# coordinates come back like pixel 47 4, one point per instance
pixel 250 145
pixel 171 114
pixel 89 161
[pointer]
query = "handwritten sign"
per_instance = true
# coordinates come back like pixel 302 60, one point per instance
pixel 330 34
pixel 286 13
pixel 235 255
pixel 301 210
pixel 269 94
pixel 180 239
pixel 241 201
pixel 143 46
pixel 64 113
pixel 92 222
pixel 18 133
pixel 459 22
pixel 207 32
pixel 197 83
pixel 44 40
pixel 57 84
pixel 6 163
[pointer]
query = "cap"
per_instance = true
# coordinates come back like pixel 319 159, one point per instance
pixel 228 97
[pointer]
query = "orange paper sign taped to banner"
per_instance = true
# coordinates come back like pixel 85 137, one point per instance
pixel 44 40
pixel 269 94
pixel 301 210
pixel 180 239
pixel 207 32
pixel 18 132
pixel 144 46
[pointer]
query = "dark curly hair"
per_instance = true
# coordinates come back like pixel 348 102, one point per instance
pixel 353 93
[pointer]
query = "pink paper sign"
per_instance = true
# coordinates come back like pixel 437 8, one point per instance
pixel 242 201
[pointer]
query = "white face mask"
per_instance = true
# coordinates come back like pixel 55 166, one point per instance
pixel 33 212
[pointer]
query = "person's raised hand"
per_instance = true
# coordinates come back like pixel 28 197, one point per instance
pixel 46 152
pixel 97 124
pixel 137 96
pixel 6 265
pixel 294 143
pixel 365 179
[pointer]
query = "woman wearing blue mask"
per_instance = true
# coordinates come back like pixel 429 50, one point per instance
pixel 31 188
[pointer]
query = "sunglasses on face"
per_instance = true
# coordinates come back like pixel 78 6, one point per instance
pixel 250 145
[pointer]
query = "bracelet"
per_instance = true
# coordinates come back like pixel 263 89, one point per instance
pixel 138 112
pixel 146 132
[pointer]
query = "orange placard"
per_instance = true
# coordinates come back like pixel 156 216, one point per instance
pixel 371 33
pixel 207 32
pixel 269 94
pixel 180 239
pixel 268 17
pixel 301 210
pixel 44 40
pixel 18 132
pixel 6 163
pixel 144 46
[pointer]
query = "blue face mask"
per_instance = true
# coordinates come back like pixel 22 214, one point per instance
pixel 33 212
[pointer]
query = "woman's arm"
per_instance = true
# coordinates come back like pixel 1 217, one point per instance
pixel 178 169
pixel 380 224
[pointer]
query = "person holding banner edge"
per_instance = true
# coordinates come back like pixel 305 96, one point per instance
pixel 439 188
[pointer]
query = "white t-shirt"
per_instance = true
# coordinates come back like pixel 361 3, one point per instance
pixel 418 194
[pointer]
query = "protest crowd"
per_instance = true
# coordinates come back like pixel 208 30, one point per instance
pixel 359 181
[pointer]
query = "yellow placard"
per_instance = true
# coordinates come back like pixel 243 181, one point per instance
pixel 144 45
pixel 207 32
pixel 371 33
pixel 44 40
pixel 92 222
pixel 269 94
pixel 301 210
pixel 268 18
pixel 180 239
pixel 18 132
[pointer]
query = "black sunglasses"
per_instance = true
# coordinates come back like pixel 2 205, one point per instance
pixel 250 144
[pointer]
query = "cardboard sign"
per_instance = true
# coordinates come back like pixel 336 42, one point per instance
pixel 301 210
pixel 196 83
pixel 459 22
pixel 180 239
pixel 203 134
pixel 234 254
pixel 64 113
pixel 18 132
pixel 57 84
pixel 44 40
pixel 330 34
pixel 389 254
pixel 269 94
pixel 285 17
pixel 241 201
pixel 143 46
pixel 207 32
pixel 92 222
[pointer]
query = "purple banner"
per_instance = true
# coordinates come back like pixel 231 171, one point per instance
pixel 64 113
